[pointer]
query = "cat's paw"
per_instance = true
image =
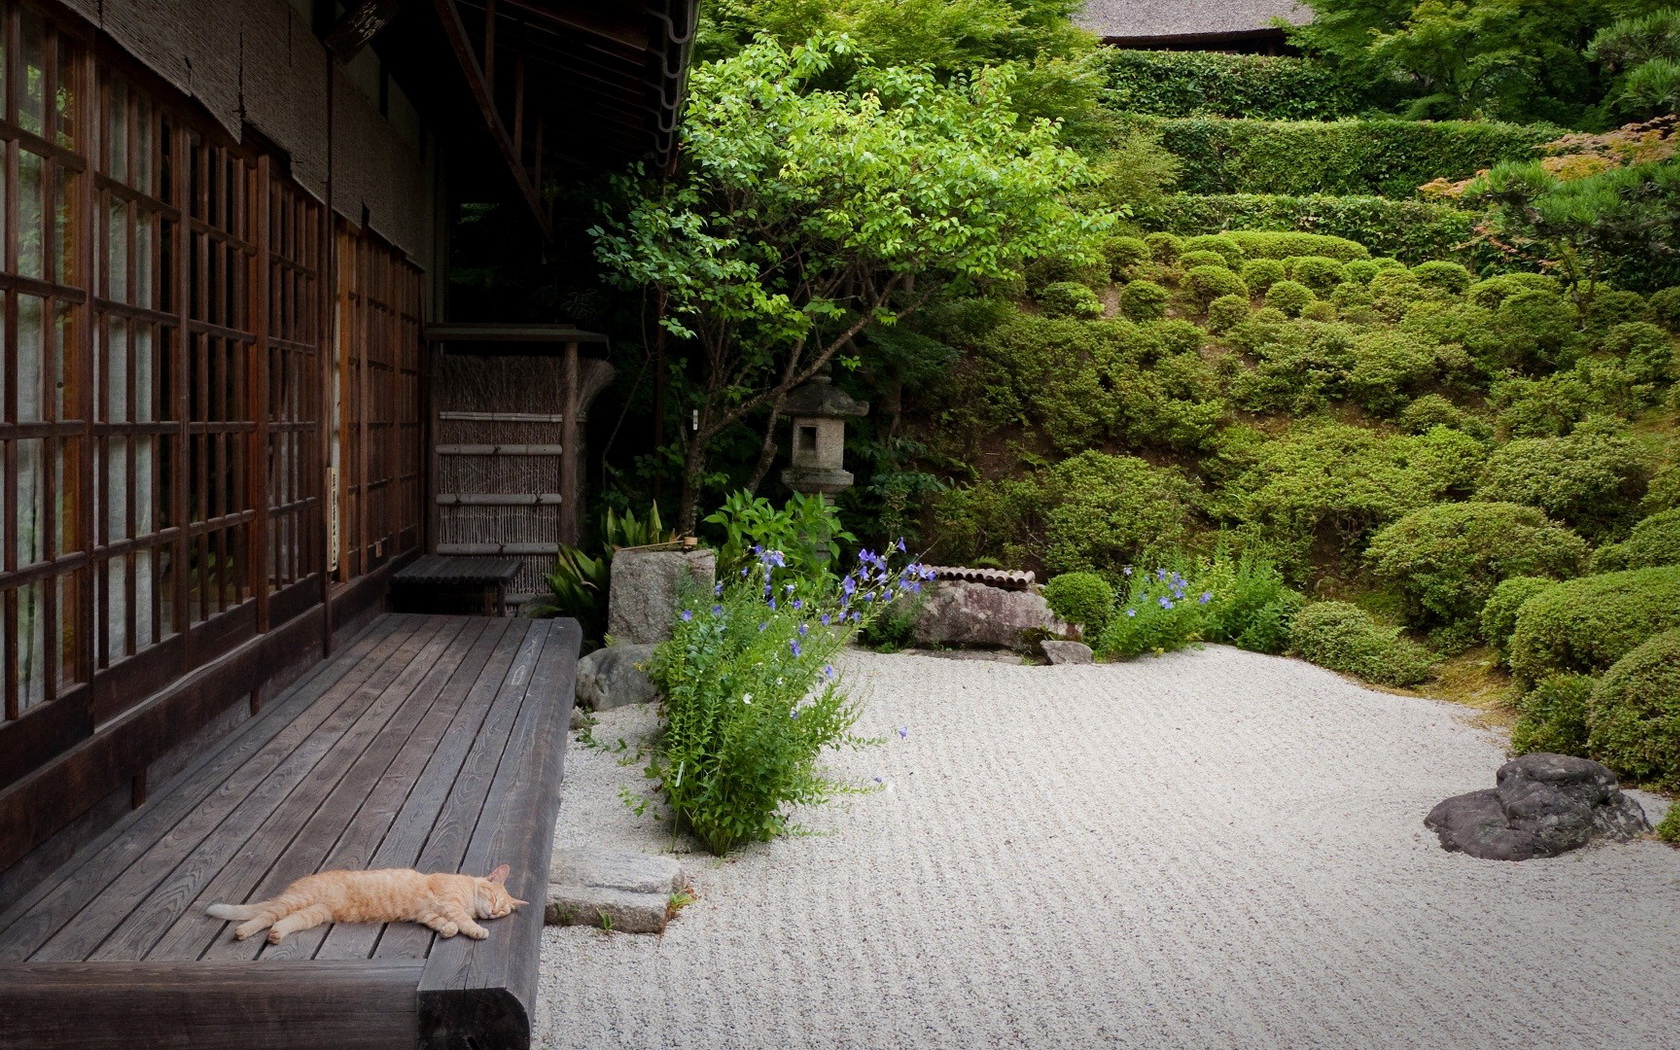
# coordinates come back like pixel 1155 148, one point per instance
pixel 275 936
pixel 449 929
pixel 477 933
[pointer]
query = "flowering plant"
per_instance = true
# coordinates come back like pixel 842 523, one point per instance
pixel 1162 610
pixel 752 698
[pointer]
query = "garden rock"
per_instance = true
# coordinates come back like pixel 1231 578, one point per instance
pixel 1066 652
pixel 645 588
pixel 623 892
pixel 610 677
pixel 1545 804
pixel 974 615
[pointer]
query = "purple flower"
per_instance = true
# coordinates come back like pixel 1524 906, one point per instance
pixel 717 610
pixel 1131 612
pixel 762 626
pixel 687 616
pixel 1166 603
pixel 1207 596
pixel 828 671
pixel 902 549
pixel 847 586
pixel 1127 571
pixel 903 731
pixel 1160 574
pixel 718 590
pixel 794 713
pixel 803 630
pixel 798 603
pixel 743 571
pixel 856 617
pixel 772 603
pixel 826 619
pixel 794 645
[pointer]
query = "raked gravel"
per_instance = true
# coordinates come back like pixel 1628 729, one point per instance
pixel 1207 849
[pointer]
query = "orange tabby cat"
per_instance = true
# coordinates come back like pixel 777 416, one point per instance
pixel 447 903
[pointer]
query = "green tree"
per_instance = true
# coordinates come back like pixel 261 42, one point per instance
pixel 803 216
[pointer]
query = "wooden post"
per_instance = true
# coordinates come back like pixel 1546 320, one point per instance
pixel 571 464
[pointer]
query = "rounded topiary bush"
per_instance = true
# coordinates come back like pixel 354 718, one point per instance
pixel 1320 310
pixel 1082 598
pixel 1665 308
pixel 1445 560
pixel 1191 259
pixel 1144 301
pixel 1589 623
pixel 1215 242
pixel 1123 254
pixel 1591 479
pixel 1164 246
pixel 1315 271
pixel 1443 276
pixel 1261 274
pixel 1499 612
pixel 1668 829
pixel 1553 716
pixel 1655 541
pixel 1070 299
pixel 1645 350
pixel 1614 306
pixel 1495 290
pixel 1633 719
pixel 1289 296
pixel 1360 271
pixel 1208 283
pixel 1344 638
pixel 1434 410
pixel 1226 312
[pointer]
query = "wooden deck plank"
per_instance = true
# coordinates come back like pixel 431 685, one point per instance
pixel 139 907
pixel 236 859
pixel 238 767
pixel 446 846
pixel 489 987
pixel 402 844
pixel 380 803
pixel 252 1006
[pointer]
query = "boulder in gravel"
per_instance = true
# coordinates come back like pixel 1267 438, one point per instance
pixel 610 677
pixel 625 892
pixel 645 587
pixel 1544 804
pixel 974 615
pixel 1058 652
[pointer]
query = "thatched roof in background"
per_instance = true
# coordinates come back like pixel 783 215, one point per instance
pixel 1139 21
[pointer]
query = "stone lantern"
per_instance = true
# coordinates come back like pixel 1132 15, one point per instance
pixel 819 410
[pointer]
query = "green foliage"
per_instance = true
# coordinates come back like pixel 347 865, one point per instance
pixel 1413 230
pixel 1449 277
pixel 1069 299
pixel 1315 271
pixel 1325 487
pixel 1252 605
pixel 1552 717
pixel 1587 624
pixel 1164 246
pixel 1226 312
pixel 1499 614
pixel 1645 350
pixel 578 589
pixel 1592 479
pixel 1550 406
pixel 1495 290
pixel 1665 308
pixel 1633 719
pixel 1445 560
pixel 1193 257
pixel 1433 410
pixel 1289 296
pixel 1344 638
pixel 1197 83
pixel 806 530
pixel 1654 541
pixel 1668 829
pixel 1158 613
pixel 1124 255
pixel 1081 598
pixel 1208 283
pixel 1261 274
pixel 1144 300
pixel 1233 253
pixel 1608 307
pixel 1386 158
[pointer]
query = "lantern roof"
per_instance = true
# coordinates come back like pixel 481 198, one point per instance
pixel 820 398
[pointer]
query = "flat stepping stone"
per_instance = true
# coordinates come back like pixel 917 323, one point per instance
pixel 623 892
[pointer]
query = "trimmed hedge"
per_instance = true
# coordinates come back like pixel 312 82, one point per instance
pixel 1185 83
pixel 1633 719
pixel 1082 598
pixel 1344 638
pixel 1586 625
pixel 1553 716
pixel 1499 613
pixel 1592 479
pixel 1387 158
pixel 1655 541
pixel 1409 230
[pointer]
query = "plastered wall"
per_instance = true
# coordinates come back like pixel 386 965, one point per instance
pixel 256 63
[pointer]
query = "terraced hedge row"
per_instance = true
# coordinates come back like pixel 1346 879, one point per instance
pixel 1412 231
pixel 1192 83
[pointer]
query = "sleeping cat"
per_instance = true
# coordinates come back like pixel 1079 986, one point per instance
pixel 447 903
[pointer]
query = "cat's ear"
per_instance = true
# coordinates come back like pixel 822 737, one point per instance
pixel 499 876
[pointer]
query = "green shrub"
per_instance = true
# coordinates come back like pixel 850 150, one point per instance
pixel 1082 598
pixel 1158 613
pixel 1252 606
pixel 1668 829
pixel 1443 276
pixel 1069 299
pixel 1538 331
pixel 1261 274
pixel 1280 245
pixel 1633 719
pixel 1289 296
pixel 1191 258
pixel 1665 308
pixel 1226 312
pixel 1445 560
pixel 1233 253
pixel 1589 623
pixel 1553 716
pixel 1609 307
pixel 1388 157
pixel 1319 310
pixel 1434 410
pixel 1208 283
pixel 1187 83
pixel 1315 271
pixel 1389 367
pixel 1549 406
pixel 1592 480
pixel 1360 271
pixel 806 530
pixel 1654 541
pixel 1645 350
pixel 1344 638
pixel 1664 493
pixel 1124 254
pixel 1495 290
pixel 1164 246
pixel 1413 230
pixel 1144 300
pixel 1499 613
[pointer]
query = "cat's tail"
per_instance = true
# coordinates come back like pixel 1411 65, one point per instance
pixel 233 911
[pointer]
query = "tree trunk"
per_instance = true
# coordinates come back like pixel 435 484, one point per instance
pixel 694 467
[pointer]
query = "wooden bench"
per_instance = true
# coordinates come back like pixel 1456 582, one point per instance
pixel 442 583
pixel 428 741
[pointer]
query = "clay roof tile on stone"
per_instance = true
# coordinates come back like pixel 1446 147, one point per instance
pixel 1166 19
